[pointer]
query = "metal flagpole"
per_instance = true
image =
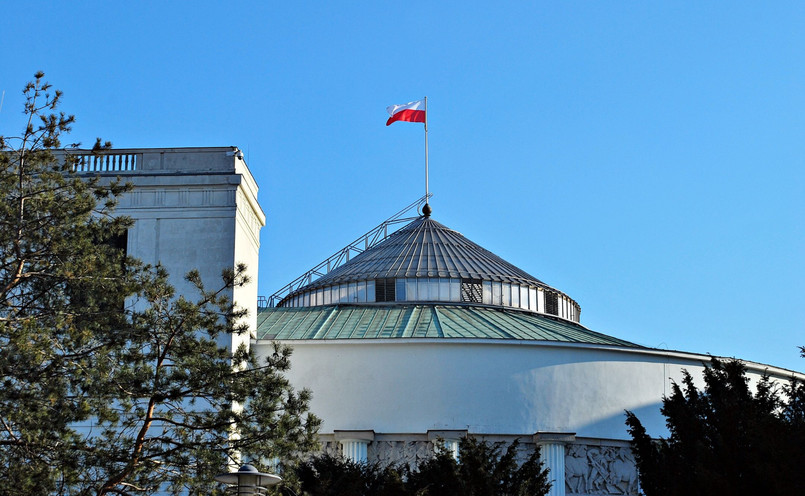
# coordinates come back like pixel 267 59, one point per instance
pixel 427 189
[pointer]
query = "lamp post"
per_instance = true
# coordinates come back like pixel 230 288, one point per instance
pixel 248 480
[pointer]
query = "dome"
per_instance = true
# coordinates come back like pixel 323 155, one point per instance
pixel 426 248
pixel 426 261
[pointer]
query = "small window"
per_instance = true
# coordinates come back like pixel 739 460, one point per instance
pixel 370 290
pixel 361 294
pixel 455 290
pixel 496 292
pixel 400 289
pixel 551 303
pixel 326 296
pixel 384 289
pixel 471 290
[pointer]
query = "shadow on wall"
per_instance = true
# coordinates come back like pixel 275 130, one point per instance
pixel 649 415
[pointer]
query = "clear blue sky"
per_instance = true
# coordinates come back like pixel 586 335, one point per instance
pixel 644 157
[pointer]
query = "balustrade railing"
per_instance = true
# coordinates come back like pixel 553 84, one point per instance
pixel 107 162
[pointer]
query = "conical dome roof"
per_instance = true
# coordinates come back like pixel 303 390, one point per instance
pixel 426 248
pixel 427 262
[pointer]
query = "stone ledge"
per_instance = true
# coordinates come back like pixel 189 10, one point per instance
pixel 554 437
pixel 446 434
pixel 367 436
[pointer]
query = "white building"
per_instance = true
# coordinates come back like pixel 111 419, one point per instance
pixel 426 337
pixel 421 339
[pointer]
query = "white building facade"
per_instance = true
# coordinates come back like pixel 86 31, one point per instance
pixel 194 208
pixel 394 376
pixel 419 341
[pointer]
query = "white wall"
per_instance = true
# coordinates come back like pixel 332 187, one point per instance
pixel 195 208
pixel 412 386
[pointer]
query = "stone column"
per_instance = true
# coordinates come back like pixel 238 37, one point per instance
pixel 552 454
pixel 355 444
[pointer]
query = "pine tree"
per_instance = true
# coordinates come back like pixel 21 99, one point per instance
pixel 725 439
pixel 111 383
pixel 328 475
pixel 483 469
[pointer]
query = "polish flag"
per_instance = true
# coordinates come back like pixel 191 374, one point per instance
pixel 409 112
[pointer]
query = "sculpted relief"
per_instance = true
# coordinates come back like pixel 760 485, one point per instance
pixel 410 453
pixel 600 470
pixel 590 469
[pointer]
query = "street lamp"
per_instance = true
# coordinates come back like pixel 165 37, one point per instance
pixel 248 480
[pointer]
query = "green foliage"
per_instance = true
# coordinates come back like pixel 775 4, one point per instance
pixel 111 383
pixel 482 470
pixel 327 475
pixel 725 439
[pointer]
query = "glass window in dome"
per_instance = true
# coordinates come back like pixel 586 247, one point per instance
pixel 523 296
pixel 487 292
pixel 506 295
pixel 400 289
pixel 455 290
pixel 551 303
pixel 370 291
pixel 410 289
pixel 342 293
pixel 444 289
pixel 326 296
pixel 423 289
pixel 496 292
pixel 515 295
pixel 361 292
pixel 532 299
pixel 471 290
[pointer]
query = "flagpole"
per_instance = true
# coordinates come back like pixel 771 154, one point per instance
pixel 427 189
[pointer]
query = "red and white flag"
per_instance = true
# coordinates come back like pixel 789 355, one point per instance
pixel 408 112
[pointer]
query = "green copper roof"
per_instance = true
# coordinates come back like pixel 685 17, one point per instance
pixel 421 321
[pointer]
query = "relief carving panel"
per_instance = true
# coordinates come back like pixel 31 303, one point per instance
pixel 600 470
pixel 410 453
pixel 590 469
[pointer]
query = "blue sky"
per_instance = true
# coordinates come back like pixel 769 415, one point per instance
pixel 644 157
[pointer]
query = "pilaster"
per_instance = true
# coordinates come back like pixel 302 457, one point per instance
pixel 355 444
pixel 552 454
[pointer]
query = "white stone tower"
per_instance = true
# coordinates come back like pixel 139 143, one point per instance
pixel 194 208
